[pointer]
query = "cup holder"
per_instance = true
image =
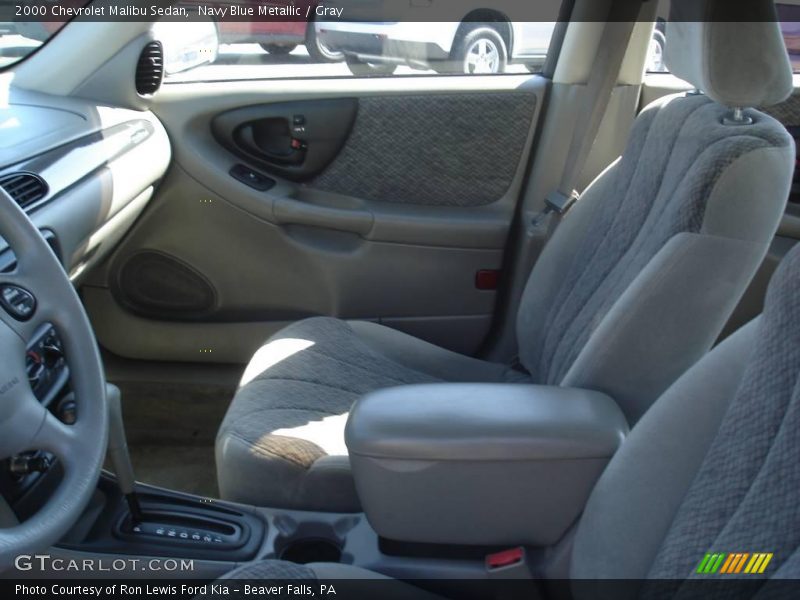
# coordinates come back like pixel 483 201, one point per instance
pixel 304 542
pixel 311 550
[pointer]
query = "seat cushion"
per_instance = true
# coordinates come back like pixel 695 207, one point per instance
pixel 281 443
pixel 347 580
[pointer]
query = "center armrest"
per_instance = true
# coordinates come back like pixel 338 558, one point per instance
pixel 481 464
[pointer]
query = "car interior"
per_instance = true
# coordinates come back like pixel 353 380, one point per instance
pixel 365 328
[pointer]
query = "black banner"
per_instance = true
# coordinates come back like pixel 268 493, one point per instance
pixel 370 10
pixel 110 588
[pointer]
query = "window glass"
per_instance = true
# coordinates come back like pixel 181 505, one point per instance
pixel 789 14
pixel 218 40
pixel 334 47
pixel 24 34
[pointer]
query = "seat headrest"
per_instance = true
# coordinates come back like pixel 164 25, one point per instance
pixel 733 51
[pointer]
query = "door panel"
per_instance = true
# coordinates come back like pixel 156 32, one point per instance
pixel 417 200
pixel 445 150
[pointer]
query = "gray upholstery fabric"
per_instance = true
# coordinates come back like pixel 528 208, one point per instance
pixel 787 112
pixel 666 320
pixel 440 150
pixel 745 495
pixel 733 51
pixel 713 465
pixel 678 151
pixel 282 441
pixel 631 291
pixel 620 533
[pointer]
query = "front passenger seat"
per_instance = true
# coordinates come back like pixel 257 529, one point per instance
pixel 633 288
pixel 712 469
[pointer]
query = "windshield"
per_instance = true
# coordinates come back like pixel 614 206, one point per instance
pixel 26 26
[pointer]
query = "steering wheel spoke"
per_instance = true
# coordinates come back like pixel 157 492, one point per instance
pixel 22 415
pixel 57 438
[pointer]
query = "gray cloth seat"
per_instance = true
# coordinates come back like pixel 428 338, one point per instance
pixel 293 407
pixel 711 468
pixel 633 288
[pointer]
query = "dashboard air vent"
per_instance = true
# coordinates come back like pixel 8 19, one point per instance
pixel 150 69
pixel 25 188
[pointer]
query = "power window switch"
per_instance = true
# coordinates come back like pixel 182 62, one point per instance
pixel 252 178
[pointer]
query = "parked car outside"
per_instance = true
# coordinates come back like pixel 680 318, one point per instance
pixel 458 47
pixel 275 36
pixel 468 47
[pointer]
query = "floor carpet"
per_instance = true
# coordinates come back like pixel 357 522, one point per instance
pixel 183 468
pixel 171 428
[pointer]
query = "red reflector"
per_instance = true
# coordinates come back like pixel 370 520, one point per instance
pixel 487 279
pixel 505 558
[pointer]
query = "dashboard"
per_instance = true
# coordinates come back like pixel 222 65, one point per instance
pixel 83 172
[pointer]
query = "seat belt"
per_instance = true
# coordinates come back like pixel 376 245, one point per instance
pixel 616 36
pixel 602 81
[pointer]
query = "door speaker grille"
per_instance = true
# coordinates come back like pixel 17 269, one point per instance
pixel 157 285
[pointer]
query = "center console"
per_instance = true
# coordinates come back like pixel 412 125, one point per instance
pixel 494 464
pixel 169 524
pixel 455 473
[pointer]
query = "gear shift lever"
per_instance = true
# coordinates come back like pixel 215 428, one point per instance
pixel 173 521
pixel 118 452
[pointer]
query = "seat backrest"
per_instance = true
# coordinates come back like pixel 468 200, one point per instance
pixel 712 468
pixel 641 276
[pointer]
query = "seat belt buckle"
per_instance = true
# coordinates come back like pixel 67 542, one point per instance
pixel 560 203
pixel 511 575
pixel 508 564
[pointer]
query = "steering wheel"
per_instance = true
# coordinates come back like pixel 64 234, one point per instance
pixel 24 423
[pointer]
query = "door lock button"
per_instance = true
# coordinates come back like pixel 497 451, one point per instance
pixel 299 124
pixel 17 302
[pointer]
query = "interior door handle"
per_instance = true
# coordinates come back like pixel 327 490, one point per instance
pixel 295 140
pixel 280 149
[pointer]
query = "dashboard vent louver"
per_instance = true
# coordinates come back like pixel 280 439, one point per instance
pixel 150 69
pixel 25 188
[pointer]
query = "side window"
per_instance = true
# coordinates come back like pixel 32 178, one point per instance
pixel 479 42
pixel 655 57
pixel 788 14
